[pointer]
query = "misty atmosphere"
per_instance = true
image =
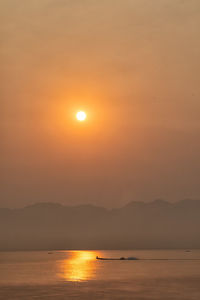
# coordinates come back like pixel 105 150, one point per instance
pixel 133 67
pixel 138 225
pixel 99 149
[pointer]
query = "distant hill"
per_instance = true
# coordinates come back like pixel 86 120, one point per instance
pixel 158 224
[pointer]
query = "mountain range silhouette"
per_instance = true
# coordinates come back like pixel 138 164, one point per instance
pixel 137 225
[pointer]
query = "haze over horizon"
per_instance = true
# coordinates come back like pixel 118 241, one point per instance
pixel 134 67
pixel 60 204
pixel 50 226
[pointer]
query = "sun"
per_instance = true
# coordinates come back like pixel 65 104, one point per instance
pixel 81 116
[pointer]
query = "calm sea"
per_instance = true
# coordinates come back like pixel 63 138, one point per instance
pixel 158 274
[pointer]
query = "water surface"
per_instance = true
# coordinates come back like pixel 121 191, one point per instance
pixel 158 274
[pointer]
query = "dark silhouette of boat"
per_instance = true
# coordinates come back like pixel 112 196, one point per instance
pixel 121 258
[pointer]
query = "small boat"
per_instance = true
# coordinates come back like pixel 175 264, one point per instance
pixel 121 258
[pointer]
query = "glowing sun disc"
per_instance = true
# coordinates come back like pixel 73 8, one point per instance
pixel 81 116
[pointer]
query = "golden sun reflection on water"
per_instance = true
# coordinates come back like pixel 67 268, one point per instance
pixel 79 266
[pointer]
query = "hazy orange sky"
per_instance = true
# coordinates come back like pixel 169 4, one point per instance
pixel 133 66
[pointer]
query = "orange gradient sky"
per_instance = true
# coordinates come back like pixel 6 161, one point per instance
pixel 133 67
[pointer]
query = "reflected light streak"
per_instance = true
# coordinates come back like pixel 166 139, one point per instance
pixel 80 266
